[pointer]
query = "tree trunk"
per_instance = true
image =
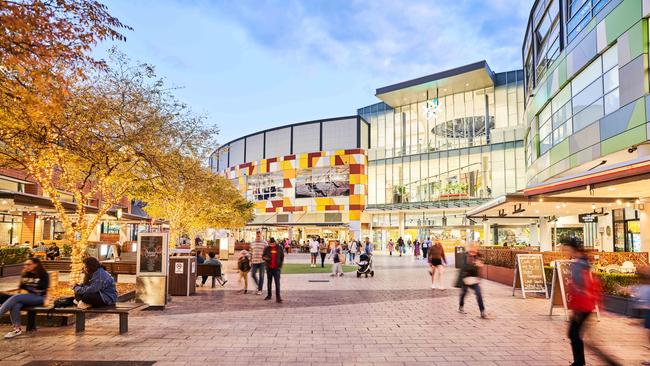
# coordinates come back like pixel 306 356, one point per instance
pixel 78 255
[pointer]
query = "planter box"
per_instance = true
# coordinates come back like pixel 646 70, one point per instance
pixel 9 270
pixel 501 275
pixel 621 305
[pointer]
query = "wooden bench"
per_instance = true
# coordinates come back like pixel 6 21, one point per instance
pixel 208 270
pixel 121 308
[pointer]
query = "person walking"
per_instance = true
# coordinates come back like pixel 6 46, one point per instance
pixel 335 254
pixel 437 261
pixel 257 262
pixel 416 249
pixel 322 248
pixel 244 266
pixel 354 248
pixel 400 245
pixel 425 248
pixel 274 257
pixel 390 247
pixel 584 296
pixel 34 281
pixel 469 278
pixel 313 251
pixel 368 247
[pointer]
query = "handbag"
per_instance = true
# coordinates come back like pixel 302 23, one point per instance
pixel 63 302
pixel 471 280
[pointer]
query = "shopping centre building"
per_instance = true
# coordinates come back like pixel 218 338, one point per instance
pixel 587 131
pixel 518 157
pixel 411 165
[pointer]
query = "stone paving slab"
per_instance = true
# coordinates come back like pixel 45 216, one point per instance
pixel 392 319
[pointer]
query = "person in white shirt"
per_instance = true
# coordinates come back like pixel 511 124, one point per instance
pixel 313 251
pixel 354 248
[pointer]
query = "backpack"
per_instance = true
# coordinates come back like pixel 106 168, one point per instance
pixel 244 264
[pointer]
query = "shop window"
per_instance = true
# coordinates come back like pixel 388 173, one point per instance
pixel 627 231
pixel 109 228
pixel 323 182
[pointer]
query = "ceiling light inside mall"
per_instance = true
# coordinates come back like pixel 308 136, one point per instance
pixel 536 211
pixel 563 204
pixel 593 206
pixel 619 202
pixel 557 207
pixel 611 189
pixel 637 201
pixel 4 202
pixel 627 204
pixel 541 200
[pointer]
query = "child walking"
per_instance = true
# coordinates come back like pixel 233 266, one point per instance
pixel 244 266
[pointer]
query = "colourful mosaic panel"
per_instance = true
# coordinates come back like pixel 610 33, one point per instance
pixel 289 165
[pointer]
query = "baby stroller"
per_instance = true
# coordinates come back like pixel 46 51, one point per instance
pixel 365 266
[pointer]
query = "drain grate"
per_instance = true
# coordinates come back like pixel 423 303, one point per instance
pixel 89 363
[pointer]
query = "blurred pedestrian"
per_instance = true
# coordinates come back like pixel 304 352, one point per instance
pixel 469 279
pixel 437 261
pixel 313 251
pixel 425 248
pixel 244 266
pixel 400 245
pixel 354 249
pixel 416 249
pixel 585 292
pixel 322 248
pixel 335 254
pixel 390 247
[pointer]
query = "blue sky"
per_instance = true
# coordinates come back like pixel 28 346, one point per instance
pixel 251 65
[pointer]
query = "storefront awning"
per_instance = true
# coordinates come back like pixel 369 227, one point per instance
pixel 519 206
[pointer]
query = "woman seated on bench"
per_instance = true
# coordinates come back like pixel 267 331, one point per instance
pixel 98 288
pixel 35 281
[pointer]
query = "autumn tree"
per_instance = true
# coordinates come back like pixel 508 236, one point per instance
pixel 192 199
pixel 105 139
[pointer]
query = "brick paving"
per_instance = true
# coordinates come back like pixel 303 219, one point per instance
pixel 392 319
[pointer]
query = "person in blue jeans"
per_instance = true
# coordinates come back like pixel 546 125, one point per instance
pixel 98 288
pixel 469 279
pixel 35 281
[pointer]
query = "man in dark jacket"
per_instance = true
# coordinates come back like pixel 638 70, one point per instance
pixel 273 255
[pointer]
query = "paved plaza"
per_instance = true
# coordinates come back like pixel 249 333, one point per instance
pixel 392 319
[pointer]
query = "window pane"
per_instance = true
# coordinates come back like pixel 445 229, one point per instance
pixel 544 129
pixel 561 115
pixel 610 79
pixel 610 58
pixel 586 77
pixel 561 98
pixel 545 144
pixel 588 115
pixel 561 133
pixel 587 96
pixel 611 101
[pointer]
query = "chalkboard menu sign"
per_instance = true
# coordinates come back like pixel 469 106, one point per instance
pixel 529 274
pixel 560 286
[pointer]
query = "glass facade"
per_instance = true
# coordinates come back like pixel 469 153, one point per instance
pixel 468 150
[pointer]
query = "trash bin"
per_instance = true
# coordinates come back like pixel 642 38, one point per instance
pixel 459 256
pixel 182 276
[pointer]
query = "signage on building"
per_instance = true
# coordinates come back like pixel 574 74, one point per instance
pixel 587 218
pixel 432 109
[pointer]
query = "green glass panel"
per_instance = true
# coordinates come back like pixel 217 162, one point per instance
pixel 623 140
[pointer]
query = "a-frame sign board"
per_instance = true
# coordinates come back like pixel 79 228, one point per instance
pixel 529 274
pixel 560 287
